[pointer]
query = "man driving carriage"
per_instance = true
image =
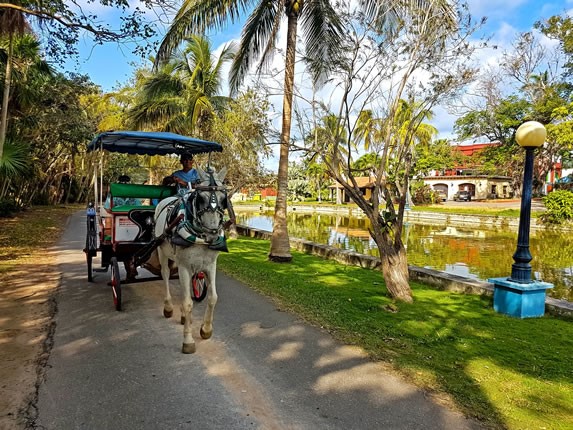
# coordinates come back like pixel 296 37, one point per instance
pixel 184 178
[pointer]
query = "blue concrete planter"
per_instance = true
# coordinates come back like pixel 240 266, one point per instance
pixel 519 300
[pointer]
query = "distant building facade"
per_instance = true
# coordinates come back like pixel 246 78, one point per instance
pixel 481 187
pixel 338 194
pixel 464 178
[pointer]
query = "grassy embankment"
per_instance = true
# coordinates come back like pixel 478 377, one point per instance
pixel 25 237
pixel 509 373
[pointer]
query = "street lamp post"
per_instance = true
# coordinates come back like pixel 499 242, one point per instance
pixel 519 295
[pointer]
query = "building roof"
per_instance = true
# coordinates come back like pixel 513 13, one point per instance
pixel 361 181
pixel 470 150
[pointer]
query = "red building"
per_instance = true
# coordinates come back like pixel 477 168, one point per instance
pixel 468 151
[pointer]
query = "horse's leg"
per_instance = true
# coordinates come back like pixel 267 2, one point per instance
pixel 165 274
pixel 186 310
pixel 207 326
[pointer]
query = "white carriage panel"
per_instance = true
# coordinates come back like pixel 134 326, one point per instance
pixel 125 229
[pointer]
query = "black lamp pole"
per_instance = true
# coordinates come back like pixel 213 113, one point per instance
pixel 521 269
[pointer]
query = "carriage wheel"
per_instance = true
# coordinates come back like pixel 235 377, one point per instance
pixel 115 283
pixel 199 286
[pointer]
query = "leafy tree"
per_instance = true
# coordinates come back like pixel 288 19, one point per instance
pixel 560 28
pixel 299 187
pixel 436 155
pixel 317 177
pixel 29 89
pixel 538 94
pixel 377 80
pixel 366 164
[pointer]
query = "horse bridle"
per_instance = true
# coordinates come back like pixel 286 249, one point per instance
pixel 213 205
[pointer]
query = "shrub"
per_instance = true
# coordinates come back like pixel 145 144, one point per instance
pixel 7 208
pixel 559 206
pixel 423 194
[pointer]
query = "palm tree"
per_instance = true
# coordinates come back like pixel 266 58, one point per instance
pixel 28 73
pixel 321 30
pixel 12 24
pixel 184 93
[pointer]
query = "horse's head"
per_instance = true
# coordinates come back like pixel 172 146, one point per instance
pixel 208 202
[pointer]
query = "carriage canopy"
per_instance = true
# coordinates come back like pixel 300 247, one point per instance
pixel 151 143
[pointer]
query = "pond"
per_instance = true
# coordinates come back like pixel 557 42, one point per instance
pixel 465 251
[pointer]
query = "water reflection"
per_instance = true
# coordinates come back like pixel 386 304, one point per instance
pixel 473 253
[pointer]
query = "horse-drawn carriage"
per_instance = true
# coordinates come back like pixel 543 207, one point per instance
pixel 135 219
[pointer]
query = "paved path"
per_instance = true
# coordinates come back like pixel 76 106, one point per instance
pixel 263 368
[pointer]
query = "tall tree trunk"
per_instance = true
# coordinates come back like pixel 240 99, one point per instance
pixel 280 245
pixel 72 174
pixel 6 95
pixel 394 267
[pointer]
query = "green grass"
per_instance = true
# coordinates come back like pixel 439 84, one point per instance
pixel 509 373
pixel 471 211
pixel 26 236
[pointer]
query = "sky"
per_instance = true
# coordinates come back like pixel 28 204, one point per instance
pixel 112 65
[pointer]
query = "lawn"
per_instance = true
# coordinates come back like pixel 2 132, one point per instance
pixel 509 373
pixel 472 211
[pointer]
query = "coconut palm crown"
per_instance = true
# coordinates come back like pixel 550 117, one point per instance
pixel 319 22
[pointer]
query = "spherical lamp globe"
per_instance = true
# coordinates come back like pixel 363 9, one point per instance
pixel 531 134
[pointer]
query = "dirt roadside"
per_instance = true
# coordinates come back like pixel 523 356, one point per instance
pixel 27 306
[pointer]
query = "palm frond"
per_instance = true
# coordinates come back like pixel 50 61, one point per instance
pixel 161 84
pixel 198 104
pixel 227 54
pixel 153 114
pixel 268 52
pixel 323 31
pixel 259 31
pixel 14 161
pixel 195 17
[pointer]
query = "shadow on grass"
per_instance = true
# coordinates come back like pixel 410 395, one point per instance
pixel 507 372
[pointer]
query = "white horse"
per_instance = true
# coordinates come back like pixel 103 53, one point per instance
pixel 203 224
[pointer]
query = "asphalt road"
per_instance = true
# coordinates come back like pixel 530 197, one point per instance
pixel 262 369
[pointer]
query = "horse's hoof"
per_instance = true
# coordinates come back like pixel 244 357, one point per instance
pixel 182 320
pixel 167 314
pixel 205 334
pixel 188 348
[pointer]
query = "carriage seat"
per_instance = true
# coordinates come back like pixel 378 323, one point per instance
pixel 138 196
